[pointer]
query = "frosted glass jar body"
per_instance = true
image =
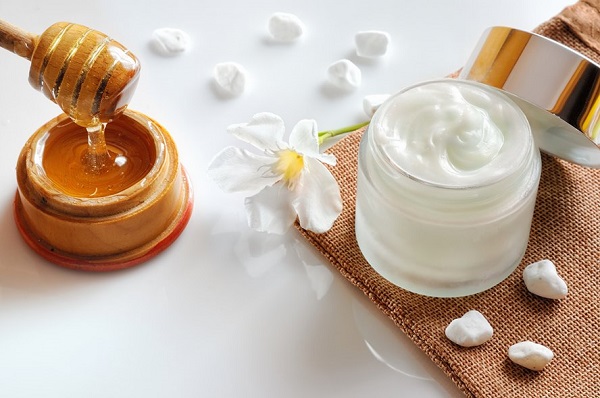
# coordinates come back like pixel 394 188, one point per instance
pixel 453 235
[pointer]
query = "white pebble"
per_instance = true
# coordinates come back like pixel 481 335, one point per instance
pixel 285 27
pixel 344 74
pixel 230 77
pixel 170 41
pixel 542 279
pixel 530 355
pixel 372 43
pixel 372 102
pixel 471 330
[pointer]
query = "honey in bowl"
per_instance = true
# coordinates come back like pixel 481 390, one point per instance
pixel 87 166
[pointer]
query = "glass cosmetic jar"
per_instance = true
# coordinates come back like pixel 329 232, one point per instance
pixel 447 180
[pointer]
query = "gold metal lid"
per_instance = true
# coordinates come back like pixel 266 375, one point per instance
pixel 557 88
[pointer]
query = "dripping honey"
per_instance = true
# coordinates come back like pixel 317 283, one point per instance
pixel 97 164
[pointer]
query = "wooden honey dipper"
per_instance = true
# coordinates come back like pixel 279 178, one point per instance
pixel 89 75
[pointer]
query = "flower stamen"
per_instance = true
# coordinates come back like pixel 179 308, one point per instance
pixel 289 165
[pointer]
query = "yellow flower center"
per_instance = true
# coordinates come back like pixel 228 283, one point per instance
pixel 289 164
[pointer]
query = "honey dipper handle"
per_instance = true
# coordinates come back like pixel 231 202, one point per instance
pixel 17 40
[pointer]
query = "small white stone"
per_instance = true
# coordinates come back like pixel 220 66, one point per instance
pixel 170 41
pixel 371 43
pixel 344 74
pixel 542 279
pixel 530 355
pixel 471 330
pixel 230 77
pixel 372 102
pixel 285 27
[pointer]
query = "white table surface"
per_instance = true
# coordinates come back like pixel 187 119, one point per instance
pixel 225 311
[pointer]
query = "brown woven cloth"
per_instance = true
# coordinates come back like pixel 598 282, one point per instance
pixel 566 229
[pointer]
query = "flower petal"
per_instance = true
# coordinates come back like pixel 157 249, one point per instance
pixel 271 210
pixel 318 201
pixel 304 137
pixel 237 170
pixel 327 158
pixel 264 131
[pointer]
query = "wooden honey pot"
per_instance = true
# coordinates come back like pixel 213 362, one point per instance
pixel 68 223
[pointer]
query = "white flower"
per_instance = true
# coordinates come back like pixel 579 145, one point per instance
pixel 285 181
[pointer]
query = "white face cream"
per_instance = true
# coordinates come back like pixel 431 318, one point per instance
pixel 448 174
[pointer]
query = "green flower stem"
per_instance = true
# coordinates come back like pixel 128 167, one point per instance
pixel 324 135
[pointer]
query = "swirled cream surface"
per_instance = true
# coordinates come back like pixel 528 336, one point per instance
pixel 449 135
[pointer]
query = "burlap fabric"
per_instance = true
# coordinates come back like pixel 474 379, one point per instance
pixel 566 229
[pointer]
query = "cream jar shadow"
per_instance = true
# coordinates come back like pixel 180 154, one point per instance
pixel 101 221
pixel 447 180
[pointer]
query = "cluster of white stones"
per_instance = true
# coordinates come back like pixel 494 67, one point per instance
pixel 231 77
pixel 344 74
pixel 473 329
